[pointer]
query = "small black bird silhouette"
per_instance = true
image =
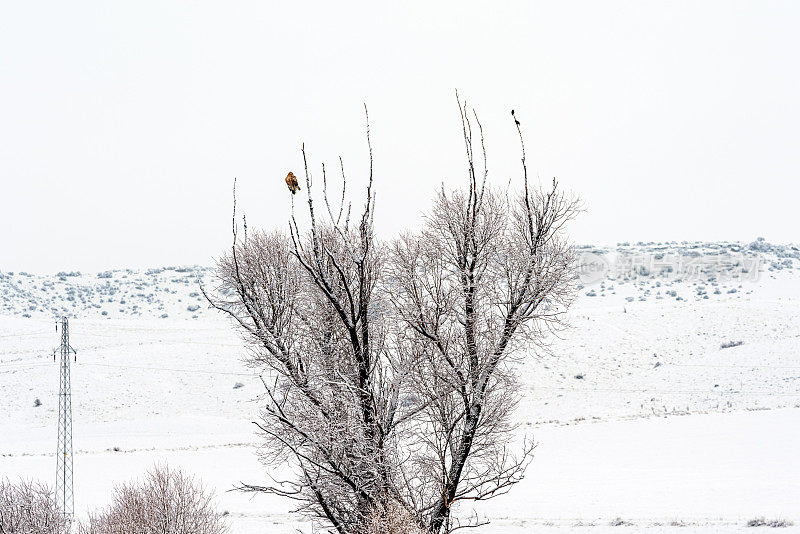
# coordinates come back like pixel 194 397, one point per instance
pixel 515 118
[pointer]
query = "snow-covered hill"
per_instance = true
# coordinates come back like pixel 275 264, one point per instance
pixel 641 271
pixel 159 292
pixel 659 331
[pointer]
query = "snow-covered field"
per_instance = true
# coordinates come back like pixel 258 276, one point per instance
pixel 639 411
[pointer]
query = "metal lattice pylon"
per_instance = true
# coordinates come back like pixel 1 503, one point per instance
pixel 64 490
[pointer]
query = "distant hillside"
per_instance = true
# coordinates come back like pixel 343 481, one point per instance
pixel 712 268
pixel 160 292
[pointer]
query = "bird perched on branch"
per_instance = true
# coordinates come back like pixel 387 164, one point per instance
pixel 515 117
pixel 291 181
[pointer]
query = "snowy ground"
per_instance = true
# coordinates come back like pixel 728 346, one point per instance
pixel 639 412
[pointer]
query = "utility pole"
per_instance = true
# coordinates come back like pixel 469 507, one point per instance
pixel 64 491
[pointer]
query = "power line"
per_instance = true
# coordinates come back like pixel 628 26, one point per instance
pixel 25 365
pixel 534 388
pixel 669 391
pixel 14 367
pixel 22 365
pixel 41 333
pixel 723 366
pixel 171 369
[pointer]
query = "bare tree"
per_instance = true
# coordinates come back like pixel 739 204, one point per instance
pixel 388 367
pixel 29 506
pixel 166 502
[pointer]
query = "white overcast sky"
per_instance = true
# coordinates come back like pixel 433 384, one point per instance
pixel 123 124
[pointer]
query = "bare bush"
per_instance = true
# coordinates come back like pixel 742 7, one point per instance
pixel 27 507
pixel 389 367
pixel 392 518
pixel 165 502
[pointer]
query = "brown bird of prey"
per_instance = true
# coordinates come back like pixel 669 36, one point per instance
pixel 291 181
